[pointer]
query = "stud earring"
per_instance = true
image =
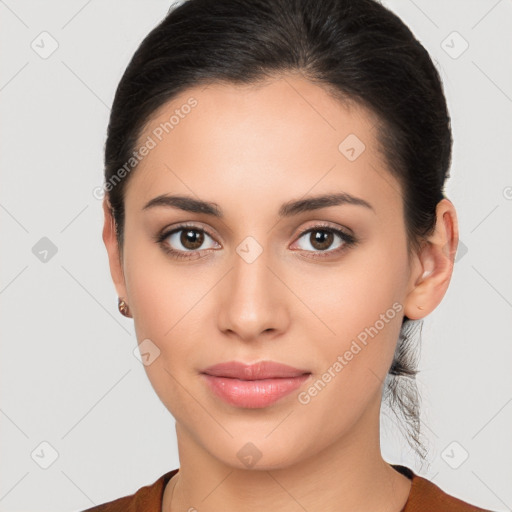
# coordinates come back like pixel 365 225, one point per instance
pixel 123 307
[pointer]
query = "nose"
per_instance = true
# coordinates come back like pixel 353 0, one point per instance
pixel 254 300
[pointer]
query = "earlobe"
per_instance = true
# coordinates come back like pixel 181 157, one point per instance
pixel 434 264
pixel 110 241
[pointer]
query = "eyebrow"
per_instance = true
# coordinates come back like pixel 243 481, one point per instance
pixel 288 209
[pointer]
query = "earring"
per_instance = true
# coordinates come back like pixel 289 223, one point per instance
pixel 123 307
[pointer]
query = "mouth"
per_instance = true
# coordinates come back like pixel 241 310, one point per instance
pixel 253 386
pixel 257 371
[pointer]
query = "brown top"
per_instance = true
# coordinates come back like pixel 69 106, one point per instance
pixel 424 496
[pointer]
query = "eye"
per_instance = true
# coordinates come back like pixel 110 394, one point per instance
pixel 322 238
pixel 185 241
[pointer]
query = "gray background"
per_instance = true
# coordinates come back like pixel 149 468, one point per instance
pixel 69 378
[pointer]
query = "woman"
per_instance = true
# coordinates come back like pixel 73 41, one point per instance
pixel 276 226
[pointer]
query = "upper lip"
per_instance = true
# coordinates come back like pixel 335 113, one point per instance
pixel 255 371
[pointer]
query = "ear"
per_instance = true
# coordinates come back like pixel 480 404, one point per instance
pixel 114 257
pixel 433 266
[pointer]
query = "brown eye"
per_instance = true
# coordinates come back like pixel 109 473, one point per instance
pixel 325 241
pixel 186 241
pixel 191 239
pixel 321 240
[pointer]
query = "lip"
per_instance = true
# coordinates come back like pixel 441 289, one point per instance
pixel 255 385
pixel 255 371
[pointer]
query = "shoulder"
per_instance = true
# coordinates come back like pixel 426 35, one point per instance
pixel 147 498
pixel 426 496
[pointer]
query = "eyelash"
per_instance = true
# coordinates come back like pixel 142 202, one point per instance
pixel 349 240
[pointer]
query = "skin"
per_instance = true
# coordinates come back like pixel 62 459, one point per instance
pixel 250 149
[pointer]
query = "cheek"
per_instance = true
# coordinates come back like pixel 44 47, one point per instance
pixel 353 363
pixel 361 304
pixel 354 294
pixel 151 286
pixel 165 303
pixel 163 312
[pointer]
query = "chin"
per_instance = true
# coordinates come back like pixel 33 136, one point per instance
pixel 258 452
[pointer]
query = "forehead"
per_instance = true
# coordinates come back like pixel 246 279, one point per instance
pixel 281 137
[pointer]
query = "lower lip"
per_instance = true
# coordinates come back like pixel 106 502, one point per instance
pixel 253 394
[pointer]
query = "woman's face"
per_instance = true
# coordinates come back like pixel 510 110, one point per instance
pixel 249 285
